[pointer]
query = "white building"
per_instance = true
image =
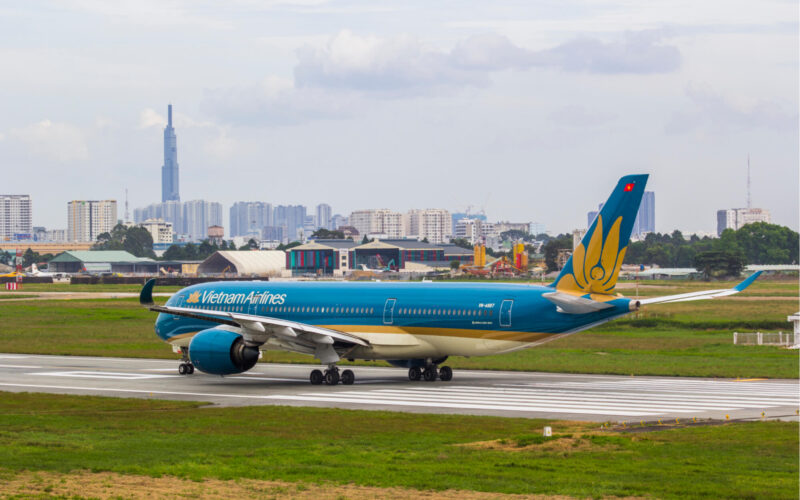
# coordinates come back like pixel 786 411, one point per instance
pixel 736 218
pixel 16 216
pixel 435 224
pixel 160 230
pixel 379 221
pixel 324 216
pixel 87 219
pixel 475 230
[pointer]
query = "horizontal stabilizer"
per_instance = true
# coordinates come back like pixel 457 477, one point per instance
pixel 572 304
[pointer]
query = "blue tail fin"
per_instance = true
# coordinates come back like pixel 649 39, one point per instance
pixel 595 263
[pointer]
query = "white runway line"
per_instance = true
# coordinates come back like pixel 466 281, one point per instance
pixel 20 366
pixel 103 375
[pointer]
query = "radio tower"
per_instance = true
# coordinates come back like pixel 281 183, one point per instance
pixel 748 181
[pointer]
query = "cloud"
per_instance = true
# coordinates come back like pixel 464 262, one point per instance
pixel 711 111
pixel 346 71
pixel 275 101
pixel 56 141
pixel 579 116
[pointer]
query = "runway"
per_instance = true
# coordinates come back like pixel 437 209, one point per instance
pixel 507 394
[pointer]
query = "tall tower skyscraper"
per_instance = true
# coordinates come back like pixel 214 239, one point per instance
pixel 169 172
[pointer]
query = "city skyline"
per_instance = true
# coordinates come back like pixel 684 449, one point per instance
pixel 513 108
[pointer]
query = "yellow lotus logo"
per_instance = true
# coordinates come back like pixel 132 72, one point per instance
pixel 595 269
pixel 194 298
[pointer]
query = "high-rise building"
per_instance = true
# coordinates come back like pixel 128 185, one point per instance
pixel 250 217
pixel 338 221
pixel 435 224
pixel 160 230
pixel 324 216
pixel 87 219
pixel 379 221
pixel 168 211
pixel 16 216
pixel 537 228
pixel 292 218
pixel 457 216
pixel 646 216
pixel 170 189
pixel 198 216
pixel 736 218
pixel 474 230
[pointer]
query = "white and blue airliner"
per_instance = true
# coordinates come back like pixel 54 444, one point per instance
pixel 221 327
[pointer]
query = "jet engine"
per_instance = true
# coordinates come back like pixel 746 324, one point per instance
pixel 221 352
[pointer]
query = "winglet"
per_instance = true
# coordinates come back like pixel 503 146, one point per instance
pixel 749 281
pixel 146 295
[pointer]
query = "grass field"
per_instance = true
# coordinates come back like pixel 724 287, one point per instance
pixel 79 435
pixel 689 338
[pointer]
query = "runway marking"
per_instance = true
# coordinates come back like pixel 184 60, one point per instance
pixel 19 366
pixel 103 375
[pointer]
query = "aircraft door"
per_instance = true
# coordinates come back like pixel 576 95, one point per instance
pixel 388 311
pixel 505 312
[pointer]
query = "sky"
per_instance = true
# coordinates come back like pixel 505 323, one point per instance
pixel 529 111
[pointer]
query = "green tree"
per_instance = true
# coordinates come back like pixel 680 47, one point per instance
pixel 454 265
pixel 551 248
pixel 135 240
pixel 462 243
pixel 719 263
pixel 326 234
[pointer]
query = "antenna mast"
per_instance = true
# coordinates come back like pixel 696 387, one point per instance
pixel 748 181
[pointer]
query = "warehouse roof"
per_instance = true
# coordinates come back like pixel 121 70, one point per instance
pixel 405 244
pixel 457 250
pixel 97 256
pixel 327 245
pixel 244 262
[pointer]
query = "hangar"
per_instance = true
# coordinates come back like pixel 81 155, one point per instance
pixel 244 263
pixel 100 261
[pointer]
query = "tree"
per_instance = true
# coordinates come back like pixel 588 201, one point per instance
pixel 515 234
pixel 325 234
pixel 250 245
pixel 288 245
pixel 462 243
pixel 6 257
pixel 551 248
pixel 135 240
pixel 719 263
pixel 454 265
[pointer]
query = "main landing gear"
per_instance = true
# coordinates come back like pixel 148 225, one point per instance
pixel 331 376
pixel 186 367
pixel 430 373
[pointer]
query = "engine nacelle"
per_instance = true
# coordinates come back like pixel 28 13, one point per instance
pixel 221 352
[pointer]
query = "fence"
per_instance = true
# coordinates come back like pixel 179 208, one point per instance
pixel 760 338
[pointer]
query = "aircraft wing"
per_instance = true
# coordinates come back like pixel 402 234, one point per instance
pixel 706 294
pixel 257 328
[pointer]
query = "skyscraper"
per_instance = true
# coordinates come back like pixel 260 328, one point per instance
pixel 250 217
pixel 170 190
pixel 324 216
pixel 646 217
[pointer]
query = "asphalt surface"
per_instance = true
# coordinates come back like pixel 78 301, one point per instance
pixel 508 394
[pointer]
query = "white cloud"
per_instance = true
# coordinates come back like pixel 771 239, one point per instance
pixel 56 141
pixel 579 116
pixel 712 111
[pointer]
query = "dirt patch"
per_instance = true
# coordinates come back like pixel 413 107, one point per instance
pixel 107 485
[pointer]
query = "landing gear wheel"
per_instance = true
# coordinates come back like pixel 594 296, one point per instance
pixel 429 374
pixel 414 373
pixel 183 369
pixel 189 368
pixel 445 374
pixel 332 377
pixel 316 377
pixel 348 377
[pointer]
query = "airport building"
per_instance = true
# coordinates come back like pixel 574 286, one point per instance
pixel 101 261
pixel 87 219
pixel 331 256
pixel 16 217
pixel 736 218
pixel 244 263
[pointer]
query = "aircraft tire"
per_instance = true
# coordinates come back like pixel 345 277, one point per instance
pixel 430 374
pixel 189 368
pixel 182 369
pixel 348 377
pixel 316 377
pixel 445 374
pixel 414 373
pixel 332 377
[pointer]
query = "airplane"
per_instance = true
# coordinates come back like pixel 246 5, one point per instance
pixel 221 328
pixel 42 274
